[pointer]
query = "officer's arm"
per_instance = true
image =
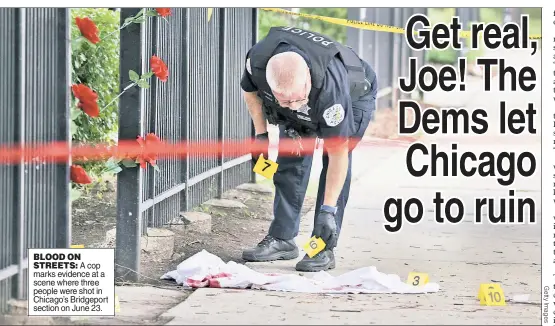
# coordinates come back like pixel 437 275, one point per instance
pixel 335 126
pixel 254 103
pixel 337 171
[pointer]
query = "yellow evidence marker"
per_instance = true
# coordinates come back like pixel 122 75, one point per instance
pixel 417 279
pixel 491 294
pixel 77 246
pixel 314 246
pixel 116 301
pixel 265 168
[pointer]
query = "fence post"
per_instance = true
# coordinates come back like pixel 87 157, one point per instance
pixel 405 50
pixel 128 232
pixel 185 115
pixel 19 225
pixel 222 98
pixel 254 40
pixel 395 59
pixel 63 238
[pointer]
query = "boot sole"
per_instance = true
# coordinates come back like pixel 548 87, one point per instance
pixel 288 255
pixel 316 269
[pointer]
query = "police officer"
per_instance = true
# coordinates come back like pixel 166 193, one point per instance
pixel 310 86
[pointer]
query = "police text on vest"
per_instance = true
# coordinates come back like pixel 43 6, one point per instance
pixel 308 35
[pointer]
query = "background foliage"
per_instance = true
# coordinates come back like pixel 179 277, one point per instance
pixel 97 66
pixel 268 19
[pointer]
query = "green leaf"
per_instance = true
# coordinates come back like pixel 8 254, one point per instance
pixel 114 169
pixel 139 20
pixel 113 160
pixel 75 113
pixel 133 76
pixel 74 194
pixel 156 168
pixel 147 75
pixel 151 13
pixel 143 84
pixel 140 13
pixel 73 127
pixel 129 163
pixel 128 20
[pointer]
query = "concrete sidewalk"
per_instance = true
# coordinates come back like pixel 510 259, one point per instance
pixel 458 257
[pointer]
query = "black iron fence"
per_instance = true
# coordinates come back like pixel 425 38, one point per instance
pixel 34 108
pixel 387 53
pixel 201 101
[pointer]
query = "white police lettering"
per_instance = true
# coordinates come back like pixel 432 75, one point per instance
pixel 310 36
pixel 334 115
pixel 303 117
pixel 269 97
pixel 248 66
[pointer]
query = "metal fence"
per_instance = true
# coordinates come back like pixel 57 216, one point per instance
pixel 201 101
pixel 388 53
pixel 34 108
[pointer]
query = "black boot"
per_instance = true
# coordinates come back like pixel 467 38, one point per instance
pixel 270 249
pixel 323 261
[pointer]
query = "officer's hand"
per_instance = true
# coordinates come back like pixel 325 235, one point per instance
pixel 262 143
pixel 326 228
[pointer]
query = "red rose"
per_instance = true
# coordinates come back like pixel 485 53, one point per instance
pixel 79 175
pixel 88 29
pixel 163 11
pixel 150 140
pixel 87 99
pixel 159 68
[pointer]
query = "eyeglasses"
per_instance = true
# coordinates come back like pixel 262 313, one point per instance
pixel 299 100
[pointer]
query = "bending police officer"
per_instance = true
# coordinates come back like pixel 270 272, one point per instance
pixel 310 86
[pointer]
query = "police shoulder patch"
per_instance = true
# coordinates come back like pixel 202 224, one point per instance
pixel 248 65
pixel 334 115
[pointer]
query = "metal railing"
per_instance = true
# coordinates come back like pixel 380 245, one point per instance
pixel 34 108
pixel 201 101
pixel 387 53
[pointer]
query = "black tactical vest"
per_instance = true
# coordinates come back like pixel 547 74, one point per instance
pixel 321 50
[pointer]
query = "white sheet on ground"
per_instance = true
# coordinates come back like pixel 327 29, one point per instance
pixel 207 270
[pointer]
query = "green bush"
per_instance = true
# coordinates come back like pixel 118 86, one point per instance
pixel 336 32
pixel 97 66
pixel 268 19
pixel 449 55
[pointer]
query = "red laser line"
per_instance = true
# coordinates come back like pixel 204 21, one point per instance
pixel 60 152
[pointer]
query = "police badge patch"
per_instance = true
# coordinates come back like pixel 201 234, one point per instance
pixel 334 115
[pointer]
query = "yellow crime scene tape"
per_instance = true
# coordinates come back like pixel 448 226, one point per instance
pixel 362 25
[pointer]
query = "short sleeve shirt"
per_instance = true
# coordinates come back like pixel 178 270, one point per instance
pixel 332 110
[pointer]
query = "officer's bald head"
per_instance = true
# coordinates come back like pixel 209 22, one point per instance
pixel 288 76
